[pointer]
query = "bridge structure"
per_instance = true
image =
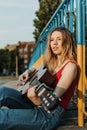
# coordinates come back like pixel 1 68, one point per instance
pixel 71 14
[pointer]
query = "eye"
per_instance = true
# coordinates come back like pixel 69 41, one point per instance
pixel 51 39
pixel 59 39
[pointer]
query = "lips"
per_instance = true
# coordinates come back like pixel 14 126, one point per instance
pixel 55 48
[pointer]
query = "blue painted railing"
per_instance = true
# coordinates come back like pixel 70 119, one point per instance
pixel 71 14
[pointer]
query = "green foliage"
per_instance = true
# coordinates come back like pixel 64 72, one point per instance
pixel 4 58
pixel 12 62
pixel 46 10
pixel 8 61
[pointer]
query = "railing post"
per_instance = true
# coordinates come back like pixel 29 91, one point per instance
pixel 83 26
pixel 71 21
pixel 80 59
pixel 55 21
pixel 59 22
pixel 62 16
pixel 66 16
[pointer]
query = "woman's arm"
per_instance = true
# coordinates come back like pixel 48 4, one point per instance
pixel 68 75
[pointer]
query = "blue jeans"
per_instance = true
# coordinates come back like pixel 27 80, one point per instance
pixel 23 114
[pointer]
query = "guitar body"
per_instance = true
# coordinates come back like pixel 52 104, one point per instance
pixel 42 78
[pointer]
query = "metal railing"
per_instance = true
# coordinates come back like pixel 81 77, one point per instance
pixel 71 14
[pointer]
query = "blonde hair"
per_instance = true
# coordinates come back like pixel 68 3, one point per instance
pixel 50 59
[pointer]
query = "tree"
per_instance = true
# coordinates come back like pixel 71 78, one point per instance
pixel 12 62
pixel 4 58
pixel 8 61
pixel 46 10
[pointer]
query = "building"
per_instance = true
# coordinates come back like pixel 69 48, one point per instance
pixel 25 50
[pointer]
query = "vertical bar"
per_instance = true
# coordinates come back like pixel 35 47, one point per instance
pixel 79 32
pixel 79 38
pixel 55 19
pixel 71 15
pixel 86 13
pixel 59 22
pixel 50 26
pixel 80 87
pixel 53 23
pixel 84 21
pixel 62 17
pixel 16 66
pixel 66 15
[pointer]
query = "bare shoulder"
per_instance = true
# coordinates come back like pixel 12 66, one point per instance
pixel 71 65
pixel 71 68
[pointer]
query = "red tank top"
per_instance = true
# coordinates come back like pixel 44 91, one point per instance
pixel 69 93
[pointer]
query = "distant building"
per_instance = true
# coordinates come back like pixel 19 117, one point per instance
pixel 25 50
pixel 10 47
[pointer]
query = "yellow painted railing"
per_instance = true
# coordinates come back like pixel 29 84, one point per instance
pixel 82 85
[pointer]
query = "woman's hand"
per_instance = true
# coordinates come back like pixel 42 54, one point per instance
pixel 32 95
pixel 23 78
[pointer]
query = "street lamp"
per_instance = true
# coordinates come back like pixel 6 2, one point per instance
pixel 16 66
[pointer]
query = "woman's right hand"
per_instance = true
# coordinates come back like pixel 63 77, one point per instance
pixel 23 78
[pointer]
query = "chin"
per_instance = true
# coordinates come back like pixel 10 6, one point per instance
pixel 57 53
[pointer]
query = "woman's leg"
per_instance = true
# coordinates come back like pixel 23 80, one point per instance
pixel 25 119
pixel 21 119
pixel 29 119
pixel 17 119
pixel 13 99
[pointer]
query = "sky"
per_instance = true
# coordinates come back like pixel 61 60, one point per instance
pixel 16 21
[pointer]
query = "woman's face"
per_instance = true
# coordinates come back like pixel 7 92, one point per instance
pixel 56 41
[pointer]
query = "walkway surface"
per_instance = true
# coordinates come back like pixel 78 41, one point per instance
pixel 68 122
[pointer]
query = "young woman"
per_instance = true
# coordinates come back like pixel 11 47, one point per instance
pixel 27 112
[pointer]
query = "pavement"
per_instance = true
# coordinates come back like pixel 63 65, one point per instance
pixel 9 82
pixel 69 120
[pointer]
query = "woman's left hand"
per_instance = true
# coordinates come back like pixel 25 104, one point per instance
pixel 32 95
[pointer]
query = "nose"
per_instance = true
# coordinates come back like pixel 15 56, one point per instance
pixel 56 41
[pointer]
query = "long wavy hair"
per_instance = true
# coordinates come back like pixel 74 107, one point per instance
pixel 50 59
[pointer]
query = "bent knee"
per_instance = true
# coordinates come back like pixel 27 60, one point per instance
pixel 3 90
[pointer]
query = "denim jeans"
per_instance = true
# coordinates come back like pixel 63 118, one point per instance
pixel 22 114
